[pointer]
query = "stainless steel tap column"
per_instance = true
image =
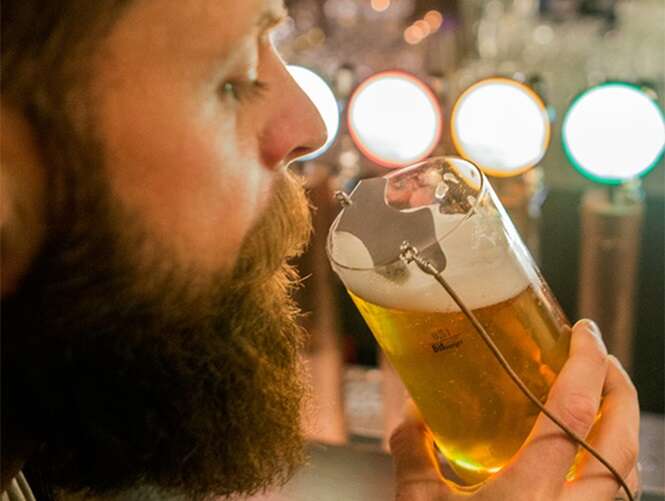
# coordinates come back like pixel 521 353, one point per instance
pixel 611 223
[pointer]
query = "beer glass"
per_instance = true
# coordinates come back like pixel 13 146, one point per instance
pixel 445 209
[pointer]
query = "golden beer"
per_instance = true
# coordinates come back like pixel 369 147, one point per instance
pixel 477 415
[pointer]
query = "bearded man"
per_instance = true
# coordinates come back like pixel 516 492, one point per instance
pixel 149 341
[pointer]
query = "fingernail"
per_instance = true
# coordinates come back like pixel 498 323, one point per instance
pixel 591 327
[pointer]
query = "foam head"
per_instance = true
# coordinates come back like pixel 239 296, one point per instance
pixel 465 227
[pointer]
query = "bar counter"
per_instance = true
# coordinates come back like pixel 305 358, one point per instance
pixel 356 473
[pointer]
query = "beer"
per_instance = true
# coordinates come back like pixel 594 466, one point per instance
pixel 477 415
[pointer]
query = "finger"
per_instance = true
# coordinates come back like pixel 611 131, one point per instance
pixel 633 481
pixel 412 449
pixel 548 453
pixel 615 436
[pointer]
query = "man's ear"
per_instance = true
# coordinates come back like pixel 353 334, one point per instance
pixel 22 197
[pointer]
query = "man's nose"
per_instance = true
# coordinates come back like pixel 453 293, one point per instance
pixel 312 129
pixel 297 128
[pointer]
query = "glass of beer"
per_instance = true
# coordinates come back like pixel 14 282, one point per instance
pixel 446 208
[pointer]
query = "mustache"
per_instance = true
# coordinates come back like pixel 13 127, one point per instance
pixel 281 234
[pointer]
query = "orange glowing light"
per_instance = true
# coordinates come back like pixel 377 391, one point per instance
pixel 418 31
pixel 424 27
pixel 412 35
pixel 380 5
pixel 434 19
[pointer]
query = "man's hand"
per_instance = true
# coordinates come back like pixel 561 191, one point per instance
pixel 538 470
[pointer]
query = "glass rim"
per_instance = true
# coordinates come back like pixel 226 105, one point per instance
pixel 482 194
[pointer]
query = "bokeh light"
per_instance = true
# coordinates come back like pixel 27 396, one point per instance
pixel 424 28
pixel 614 132
pixel 380 5
pixel 502 125
pixel 394 119
pixel 412 35
pixel 434 19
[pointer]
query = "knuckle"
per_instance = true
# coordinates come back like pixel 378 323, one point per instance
pixel 400 437
pixel 578 412
pixel 627 455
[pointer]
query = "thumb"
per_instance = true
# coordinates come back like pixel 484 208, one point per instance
pixel 413 451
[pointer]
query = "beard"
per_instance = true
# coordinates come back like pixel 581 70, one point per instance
pixel 135 371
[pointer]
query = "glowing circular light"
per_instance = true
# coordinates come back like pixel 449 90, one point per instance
pixel 323 98
pixel 501 125
pixel 614 132
pixel 434 19
pixel 412 35
pixel 394 119
pixel 543 34
pixel 423 26
pixel 380 5
pixel 418 31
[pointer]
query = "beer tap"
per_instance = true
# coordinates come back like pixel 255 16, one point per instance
pixel 613 134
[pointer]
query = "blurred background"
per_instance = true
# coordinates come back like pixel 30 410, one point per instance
pixel 599 240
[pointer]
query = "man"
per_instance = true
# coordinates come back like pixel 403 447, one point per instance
pixel 148 336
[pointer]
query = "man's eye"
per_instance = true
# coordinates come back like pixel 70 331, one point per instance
pixel 244 90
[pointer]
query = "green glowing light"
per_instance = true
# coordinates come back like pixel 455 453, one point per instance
pixel 614 132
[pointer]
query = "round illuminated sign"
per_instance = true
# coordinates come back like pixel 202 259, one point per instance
pixel 501 125
pixel 394 119
pixel 614 132
pixel 323 98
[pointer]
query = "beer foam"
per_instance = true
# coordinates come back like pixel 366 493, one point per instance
pixel 351 252
pixel 482 267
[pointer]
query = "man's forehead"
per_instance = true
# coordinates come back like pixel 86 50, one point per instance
pixel 233 17
pixel 197 30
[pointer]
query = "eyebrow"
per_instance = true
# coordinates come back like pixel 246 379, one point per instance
pixel 274 14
